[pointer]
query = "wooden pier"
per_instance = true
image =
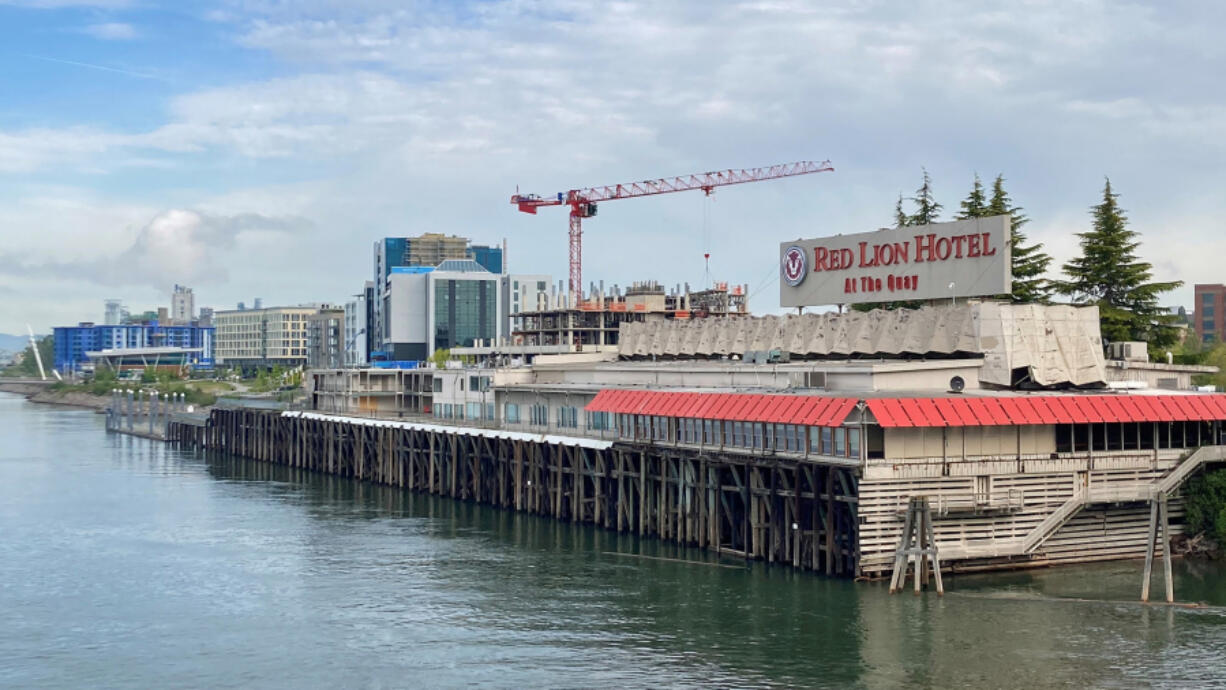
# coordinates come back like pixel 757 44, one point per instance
pixel 796 513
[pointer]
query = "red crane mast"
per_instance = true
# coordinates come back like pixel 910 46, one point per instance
pixel 583 202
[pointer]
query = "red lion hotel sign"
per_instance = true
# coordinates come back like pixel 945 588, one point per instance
pixel 965 258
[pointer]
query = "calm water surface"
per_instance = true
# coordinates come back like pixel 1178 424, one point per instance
pixel 124 563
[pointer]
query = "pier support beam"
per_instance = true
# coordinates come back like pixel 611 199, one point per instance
pixel 1159 519
pixel 917 546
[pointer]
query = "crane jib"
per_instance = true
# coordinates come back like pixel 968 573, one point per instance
pixel 583 201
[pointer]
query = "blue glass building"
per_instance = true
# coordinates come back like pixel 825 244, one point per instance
pixel 72 342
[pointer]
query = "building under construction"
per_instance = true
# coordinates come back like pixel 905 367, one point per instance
pixel 597 320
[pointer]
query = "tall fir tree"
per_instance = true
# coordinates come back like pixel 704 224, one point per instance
pixel 1109 274
pixel 1029 262
pixel 975 204
pixel 927 210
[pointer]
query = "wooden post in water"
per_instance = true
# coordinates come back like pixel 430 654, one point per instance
pixel 917 544
pixel 1159 519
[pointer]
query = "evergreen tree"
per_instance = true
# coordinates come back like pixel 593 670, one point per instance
pixel 927 210
pixel 1109 274
pixel 975 204
pixel 1029 262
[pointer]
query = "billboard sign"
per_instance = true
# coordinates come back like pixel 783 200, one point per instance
pixel 965 258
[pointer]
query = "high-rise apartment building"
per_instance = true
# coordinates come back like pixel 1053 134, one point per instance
pixel 182 305
pixel 1209 313
pixel 115 313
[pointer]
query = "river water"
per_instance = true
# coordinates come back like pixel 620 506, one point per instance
pixel 127 564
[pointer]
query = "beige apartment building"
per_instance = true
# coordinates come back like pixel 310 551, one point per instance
pixel 262 338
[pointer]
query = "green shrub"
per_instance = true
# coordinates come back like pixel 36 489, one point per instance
pixel 1205 505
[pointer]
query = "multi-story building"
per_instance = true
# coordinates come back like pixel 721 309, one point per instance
pixel 427 250
pixel 1209 313
pixel 191 346
pixel 522 292
pixel 182 305
pixel 358 327
pixel 325 338
pixel 263 338
pixel 115 314
pixel 455 304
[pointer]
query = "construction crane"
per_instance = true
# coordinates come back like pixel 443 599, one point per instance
pixel 583 202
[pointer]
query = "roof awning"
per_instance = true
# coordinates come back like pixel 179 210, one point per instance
pixel 807 410
pixel 1046 409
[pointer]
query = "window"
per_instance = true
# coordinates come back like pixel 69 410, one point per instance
pixel 568 417
pixel 540 415
pixel 840 438
pixel 1206 297
pixel 599 421
pixel 827 441
pixel 759 437
pixel 1206 312
pixel 438 385
pixel 474 410
pixel 853 443
pixel 489 411
pixel 708 432
pixel 511 413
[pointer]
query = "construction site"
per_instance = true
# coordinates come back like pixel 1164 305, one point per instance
pixel 598 320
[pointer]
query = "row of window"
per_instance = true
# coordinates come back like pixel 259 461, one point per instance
pixel 1073 438
pixel 538 415
pixel 790 438
pixel 474 410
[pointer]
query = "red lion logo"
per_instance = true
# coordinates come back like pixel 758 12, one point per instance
pixel 794 266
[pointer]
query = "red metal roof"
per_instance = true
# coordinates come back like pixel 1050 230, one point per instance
pixel 1050 409
pixel 750 407
pixel 811 410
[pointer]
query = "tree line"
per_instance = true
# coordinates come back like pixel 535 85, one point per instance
pixel 1108 273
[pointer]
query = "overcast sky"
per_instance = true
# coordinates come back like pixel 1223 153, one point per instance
pixel 259 148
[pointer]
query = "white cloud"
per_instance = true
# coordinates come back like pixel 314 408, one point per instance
pixel 111 31
pixel 175 246
pixel 410 117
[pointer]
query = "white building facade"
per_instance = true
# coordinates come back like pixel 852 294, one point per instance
pixel 456 304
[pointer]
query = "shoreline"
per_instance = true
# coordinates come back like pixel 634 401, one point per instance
pixel 41 394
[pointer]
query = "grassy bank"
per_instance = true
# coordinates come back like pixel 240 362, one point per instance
pixel 200 393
